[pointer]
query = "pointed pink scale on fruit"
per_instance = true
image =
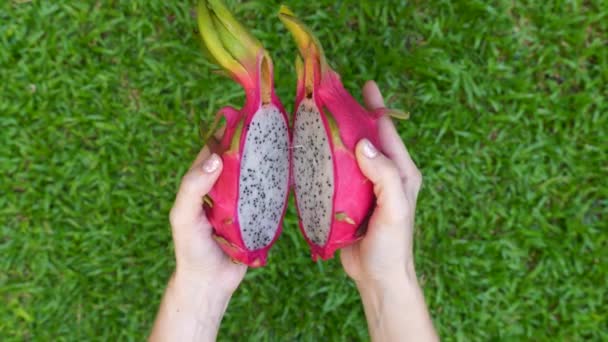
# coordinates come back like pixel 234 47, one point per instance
pixel 354 121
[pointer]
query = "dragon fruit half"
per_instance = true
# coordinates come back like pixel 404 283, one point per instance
pixel 334 199
pixel 247 204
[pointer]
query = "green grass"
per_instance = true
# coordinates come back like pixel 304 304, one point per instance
pixel 99 111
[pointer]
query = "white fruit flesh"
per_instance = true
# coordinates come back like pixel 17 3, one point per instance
pixel 313 172
pixel 264 177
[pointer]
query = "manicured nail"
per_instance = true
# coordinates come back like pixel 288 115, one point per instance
pixel 211 164
pixel 369 150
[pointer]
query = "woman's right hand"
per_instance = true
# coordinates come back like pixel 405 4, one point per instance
pixel 382 263
pixel 386 250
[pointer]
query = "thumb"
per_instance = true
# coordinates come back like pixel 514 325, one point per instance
pixel 188 207
pixel 383 173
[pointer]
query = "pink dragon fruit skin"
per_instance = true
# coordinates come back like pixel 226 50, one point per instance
pixel 336 199
pixel 247 204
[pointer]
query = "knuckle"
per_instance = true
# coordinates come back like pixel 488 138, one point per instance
pixel 414 181
pixel 178 219
pixel 417 178
pixel 174 217
pixel 188 181
pixel 179 215
pixel 391 172
pixel 397 215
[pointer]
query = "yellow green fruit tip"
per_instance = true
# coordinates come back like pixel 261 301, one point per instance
pixel 228 42
pixel 285 10
pixel 398 114
pixel 306 41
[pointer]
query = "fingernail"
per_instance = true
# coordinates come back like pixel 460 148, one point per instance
pixel 369 150
pixel 211 164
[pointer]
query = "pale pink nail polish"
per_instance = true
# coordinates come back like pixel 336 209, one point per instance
pixel 211 164
pixel 369 150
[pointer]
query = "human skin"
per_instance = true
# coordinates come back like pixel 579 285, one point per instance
pixel 381 264
pixel 205 278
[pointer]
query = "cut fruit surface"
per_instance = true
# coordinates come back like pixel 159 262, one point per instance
pixel 314 167
pixel 263 178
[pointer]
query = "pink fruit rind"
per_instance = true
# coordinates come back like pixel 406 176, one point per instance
pixel 252 69
pixel 223 215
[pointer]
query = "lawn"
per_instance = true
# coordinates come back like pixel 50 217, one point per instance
pixel 100 103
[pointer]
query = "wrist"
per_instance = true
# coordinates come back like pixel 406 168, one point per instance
pixel 403 278
pixel 195 285
pixel 199 293
pixel 190 310
pixel 196 280
pixel 397 287
pixel 395 308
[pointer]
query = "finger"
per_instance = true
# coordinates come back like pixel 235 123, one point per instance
pixel 394 148
pixel 203 154
pixel 372 96
pixel 383 173
pixel 206 151
pixel 390 141
pixel 188 207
